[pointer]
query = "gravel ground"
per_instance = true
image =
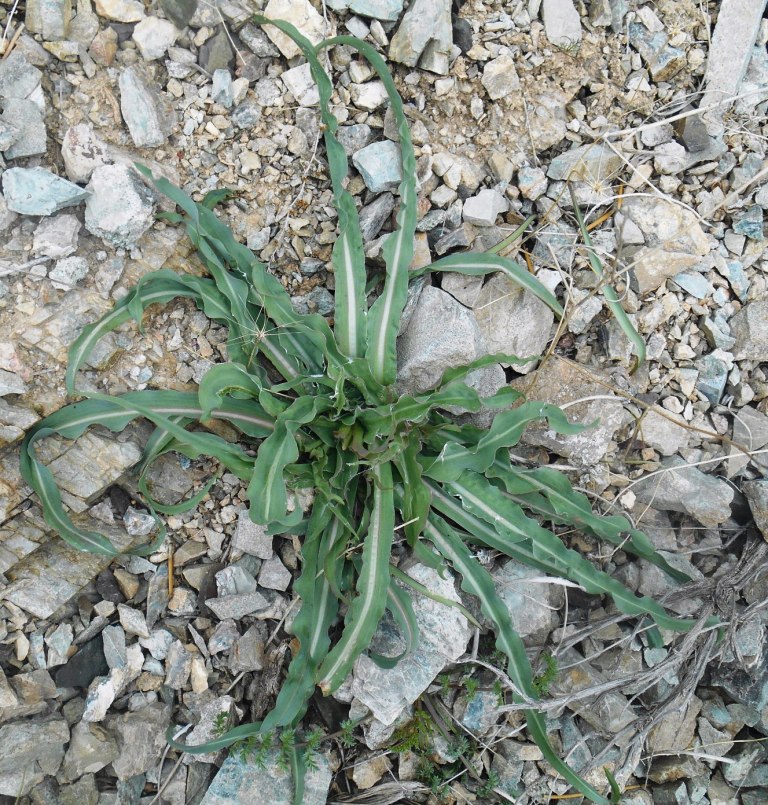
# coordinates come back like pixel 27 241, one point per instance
pixel 655 116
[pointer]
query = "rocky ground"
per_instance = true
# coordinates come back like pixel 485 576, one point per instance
pixel 655 114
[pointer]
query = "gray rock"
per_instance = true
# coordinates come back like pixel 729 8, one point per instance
pixel 663 60
pixel 237 606
pixel 532 599
pixel 251 538
pixel 56 237
pixel 31 750
pixel 750 222
pixel 138 523
pixel 140 738
pixel 750 329
pixel 443 635
pixel 254 37
pixel 693 283
pixel 68 272
pixel 757 496
pixel 658 429
pixel 484 208
pixel 299 13
pixel 500 77
pixel 11 383
pixel 180 12
pixel 513 320
pixel 82 792
pixel 750 429
pixel 178 665
pixel 688 490
pixel 206 728
pixel 733 271
pixel 369 96
pixel 713 375
pixel 222 92
pixel 730 51
pixel 235 580
pixel 532 182
pixel 425 36
pixel 463 288
pixel 380 165
pixel 153 37
pixel 354 138
pixel 82 151
pixel 90 749
pixel 58 644
pixel 246 115
pixel 37 191
pixel 216 53
pixel 373 215
pixel 248 651
pixel 120 208
pixel 562 23
pixel 300 84
pixel 113 638
pixel 423 357
pixel 84 666
pixel 9 134
pixel 386 10
pixel 274 575
pixel 132 620
pixel 120 10
pixel 241 782
pixel 147 113
pixel 559 382
pixel 7 217
pixel 590 163
pixel 18 78
pixel 674 241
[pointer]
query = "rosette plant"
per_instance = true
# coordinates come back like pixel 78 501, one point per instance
pixel 320 405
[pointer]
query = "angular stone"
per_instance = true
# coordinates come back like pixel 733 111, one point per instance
pixel 84 666
pixel 369 96
pixel 148 114
pixel 49 18
pixel 443 636
pixel 31 749
pixel 90 749
pixel 208 728
pixel 241 781
pixel 423 357
pixel 562 381
pixel 663 60
pixel 133 621
pixel 82 151
pixel 18 78
pixel 274 575
pixel 299 82
pixel 730 50
pixel 11 383
pixel 153 37
pixel 56 237
pixel 221 90
pixel 589 163
pixel 236 606
pixel 380 165
pixel 685 489
pixel 120 208
pixel 750 329
pixel 532 602
pixel 302 15
pixel 248 651
pixel 484 208
pixel 373 215
pixel 140 738
pixel 68 272
pixel 659 431
pixel 216 53
pixel 562 23
pixel 500 77
pixel 120 10
pixel 750 429
pixel 513 320
pixel 425 36
pixel 37 191
pixel 757 496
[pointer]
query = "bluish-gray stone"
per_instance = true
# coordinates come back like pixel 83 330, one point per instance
pixel 387 10
pixel 37 191
pixel 25 116
pixel 750 223
pixel 222 88
pixel 380 165
pixel 18 78
pixel 241 782
pixel 733 271
pixel 148 115
pixel 120 208
pixel 713 374
pixel 693 283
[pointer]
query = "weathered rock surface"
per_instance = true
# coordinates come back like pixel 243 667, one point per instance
pixel 560 382
pixel 148 115
pixel 750 329
pixel 37 191
pixel 443 635
pixel 424 36
pixel 685 489
pixel 120 207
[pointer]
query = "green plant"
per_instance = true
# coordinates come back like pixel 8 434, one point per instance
pixel 324 406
